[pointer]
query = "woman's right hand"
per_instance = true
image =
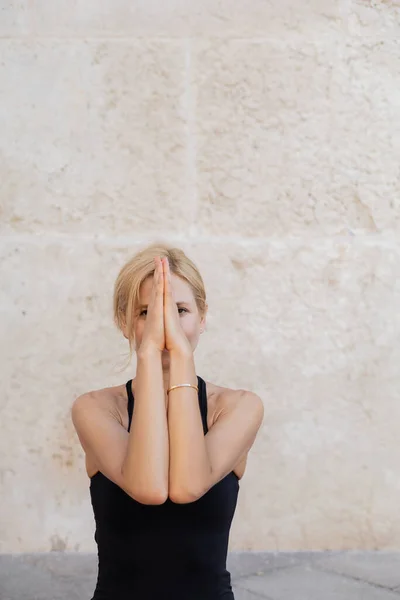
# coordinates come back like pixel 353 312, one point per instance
pixel 153 332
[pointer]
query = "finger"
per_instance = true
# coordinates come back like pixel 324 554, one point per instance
pixel 164 261
pixel 157 288
pixel 160 280
pixel 163 270
pixel 167 278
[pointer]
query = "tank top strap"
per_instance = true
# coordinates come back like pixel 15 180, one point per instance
pixel 202 397
pixel 130 402
pixel 203 402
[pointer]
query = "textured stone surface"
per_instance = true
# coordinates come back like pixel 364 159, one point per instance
pixel 314 333
pixel 183 17
pixel 305 583
pixel 365 140
pixel 59 341
pixel 60 575
pixel 296 137
pixel 47 576
pixel 246 595
pixel 97 144
pixel 14 17
pixel 263 135
pixel 247 564
pixel 314 327
pixel 378 568
pixel 263 139
pixel 373 18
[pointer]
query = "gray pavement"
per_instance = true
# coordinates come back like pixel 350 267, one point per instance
pixel 346 575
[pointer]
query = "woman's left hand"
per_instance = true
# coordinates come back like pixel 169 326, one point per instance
pixel 175 338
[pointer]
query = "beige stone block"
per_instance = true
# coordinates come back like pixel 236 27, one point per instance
pixel 93 137
pixel 58 341
pixel 263 126
pixel 373 18
pixel 186 18
pixel 297 138
pixel 312 329
pixel 365 139
pixel 15 18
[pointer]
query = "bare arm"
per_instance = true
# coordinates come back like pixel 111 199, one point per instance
pixel 138 461
pixel 198 461
pixel 189 462
pixel 145 467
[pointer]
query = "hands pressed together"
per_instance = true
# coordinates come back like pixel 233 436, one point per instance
pixel 163 329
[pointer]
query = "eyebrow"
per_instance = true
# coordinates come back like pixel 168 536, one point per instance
pixel 146 305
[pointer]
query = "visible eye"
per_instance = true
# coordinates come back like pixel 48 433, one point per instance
pixel 145 311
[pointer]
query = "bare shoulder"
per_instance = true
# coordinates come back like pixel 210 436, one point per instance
pixel 226 398
pixel 111 399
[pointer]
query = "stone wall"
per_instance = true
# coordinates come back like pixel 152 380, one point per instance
pixel 263 138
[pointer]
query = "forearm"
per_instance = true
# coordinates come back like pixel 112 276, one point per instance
pixel 147 459
pixel 189 465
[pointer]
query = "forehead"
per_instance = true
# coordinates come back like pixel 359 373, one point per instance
pixel 181 288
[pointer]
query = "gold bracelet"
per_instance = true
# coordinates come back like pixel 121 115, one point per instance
pixel 183 385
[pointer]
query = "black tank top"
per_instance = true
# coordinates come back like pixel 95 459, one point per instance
pixel 168 551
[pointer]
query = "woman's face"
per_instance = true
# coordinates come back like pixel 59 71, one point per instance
pixel 191 322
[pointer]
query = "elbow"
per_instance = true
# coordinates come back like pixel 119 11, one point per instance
pixel 183 494
pixel 149 498
pixel 145 492
pixel 180 496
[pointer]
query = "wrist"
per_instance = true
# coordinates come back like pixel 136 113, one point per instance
pixel 148 351
pixel 181 353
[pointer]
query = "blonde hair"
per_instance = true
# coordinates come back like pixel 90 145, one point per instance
pixel 141 266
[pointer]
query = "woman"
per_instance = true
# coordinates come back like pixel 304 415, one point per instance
pixel 166 450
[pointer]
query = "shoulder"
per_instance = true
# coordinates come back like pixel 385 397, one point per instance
pixel 248 409
pixel 227 399
pixel 109 398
